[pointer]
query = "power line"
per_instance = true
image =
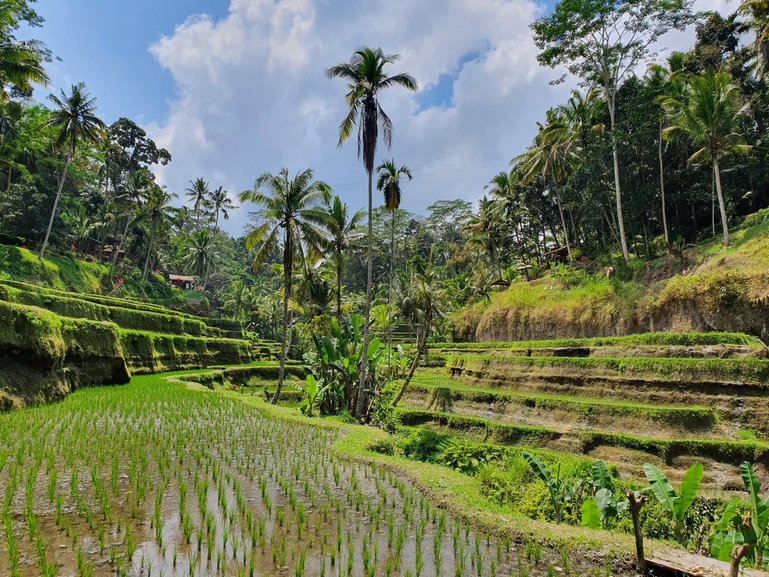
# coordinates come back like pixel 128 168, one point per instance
pixel 488 164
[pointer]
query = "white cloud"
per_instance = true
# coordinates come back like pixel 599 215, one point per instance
pixel 252 95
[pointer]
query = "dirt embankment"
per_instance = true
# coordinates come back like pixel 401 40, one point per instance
pixel 706 288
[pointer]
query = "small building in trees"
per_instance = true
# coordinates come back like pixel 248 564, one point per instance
pixel 180 281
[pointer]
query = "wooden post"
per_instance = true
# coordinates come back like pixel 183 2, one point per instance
pixel 737 554
pixel 635 508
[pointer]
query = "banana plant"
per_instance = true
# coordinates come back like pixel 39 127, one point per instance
pixel 676 503
pixel 560 492
pixel 735 528
pixel 337 363
pixel 603 508
pixel 311 393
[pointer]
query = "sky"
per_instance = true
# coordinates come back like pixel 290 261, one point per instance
pixel 235 88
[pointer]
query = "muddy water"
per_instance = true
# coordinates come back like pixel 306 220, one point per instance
pixel 151 479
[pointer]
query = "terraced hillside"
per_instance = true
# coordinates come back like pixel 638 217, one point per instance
pixel 664 398
pixel 52 342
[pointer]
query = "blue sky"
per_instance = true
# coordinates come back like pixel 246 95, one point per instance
pixel 234 88
pixel 105 43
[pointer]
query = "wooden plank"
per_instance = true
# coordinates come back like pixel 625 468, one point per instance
pixel 684 563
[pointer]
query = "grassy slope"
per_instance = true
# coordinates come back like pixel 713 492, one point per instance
pixel 713 288
pixel 70 274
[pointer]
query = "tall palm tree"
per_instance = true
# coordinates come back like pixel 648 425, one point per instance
pixel 77 123
pixel 21 62
pixel 343 230
pixel 706 114
pixel 485 230
pixel 389 183
pixel 288 220
pixel 130 199
pixel 757 14
pixel 422 305
pixel 669 80
pixel 551 157
pixel 197 193
pixel 236 299
pixel 220 203
pixel 157 210
pixel 366 78
pixel 200 251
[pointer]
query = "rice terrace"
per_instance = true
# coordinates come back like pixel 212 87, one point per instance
pixel 533 345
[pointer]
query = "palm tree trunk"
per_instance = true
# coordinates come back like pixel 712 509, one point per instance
pixel 713 205
pixel 284 345
pixel 361 400
pixel 563 223
pixel 721 206
pixel 208 262
pixel 147 260
pixel 421 345
pixel 339 286
pixel 617 190
pixel 122 239
pixel 55 206
pixel 390 297
pixel 662 191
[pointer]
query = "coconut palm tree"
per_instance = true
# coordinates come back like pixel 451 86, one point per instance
pixel 198 193
pixel 77 123
pixel 156 211
pixel 551 157
pixel 343 230
pixel 389 183
pixel 484 230
pixel 200 251
pixel 21 62
pixel 421 304
pixel 236 299
pixel 220 203
pixel 130 199
pixel 757 15
pixel 288 221
pixel 366 79
pixel 669 80
pixel 706 114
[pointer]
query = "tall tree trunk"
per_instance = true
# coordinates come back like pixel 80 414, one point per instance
pixel 421 345
pixel 713 205
pixel 390 297
pixel 122 239
pixel 55 206
pixel 361 400
pixel 339 286
pixel 662 190
pixel 286 328
pixel 10 172
pixel 721 205
pixel 563 223
pixel 208 263
pixel 147 260
pixel 617 190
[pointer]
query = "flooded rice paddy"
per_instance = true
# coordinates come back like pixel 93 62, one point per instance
pixel 153 479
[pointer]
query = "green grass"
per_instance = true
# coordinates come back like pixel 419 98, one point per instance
pixel 731 452
pixel 492 431
pixel 62 272
pixel 691 416
pixel 461 495
pixel 643 339
pixel 129 317
pixel 751 372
